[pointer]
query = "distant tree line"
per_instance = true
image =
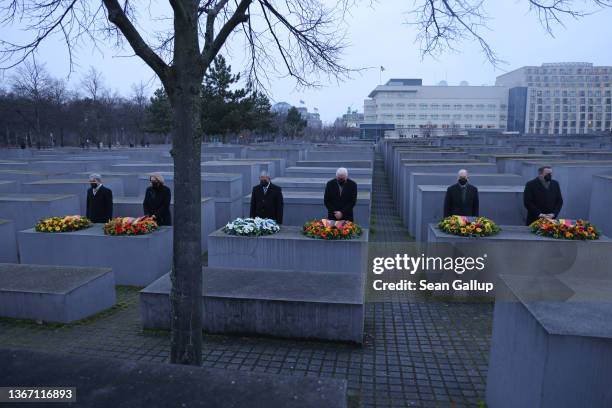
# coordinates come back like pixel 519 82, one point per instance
pixel 38 110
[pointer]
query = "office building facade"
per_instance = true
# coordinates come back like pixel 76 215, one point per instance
pixel 407 108
pixel 559 98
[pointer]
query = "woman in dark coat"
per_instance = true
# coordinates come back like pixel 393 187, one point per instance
pixel 157 200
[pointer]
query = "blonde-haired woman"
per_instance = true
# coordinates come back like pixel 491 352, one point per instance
pixel 156 203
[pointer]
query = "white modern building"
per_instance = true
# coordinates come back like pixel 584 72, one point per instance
pixel 407 108
pixel 559 98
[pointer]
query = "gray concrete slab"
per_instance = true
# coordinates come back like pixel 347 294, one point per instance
pixel 601 203
pixel 408 208
pixel 65 166
pixel 135 260
pixel 216 185
pixel 291 154
pixel 288 249
pixel 402 184
pixel 274 166
pixel 8 242
pixel 340 154
pixel 250 171
pixel 54 293
pixel 300 207
pixel 78 187
pixel 353 164
pixel 502 204
pixel 316 184
pixel 132 207
pixel 325 172
pixel 27 209
pixel 281 303
pixel 142 168
pixel 7 186
pixel 22 176
pixel 565 351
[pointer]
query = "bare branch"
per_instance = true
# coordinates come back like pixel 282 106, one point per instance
pixel 213 46
pixel 117 16
pixel 443 23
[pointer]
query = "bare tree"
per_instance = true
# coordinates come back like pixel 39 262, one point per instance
pixel 304 35
pixel 33 82
pixel 93 83
pixel 139 101
pixel 58 96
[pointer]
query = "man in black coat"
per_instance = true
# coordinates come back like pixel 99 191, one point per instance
pixel 156 203
pixel 461 198
pixel 340 196
pixel 267 200
pixel 99 201
pixel 542 196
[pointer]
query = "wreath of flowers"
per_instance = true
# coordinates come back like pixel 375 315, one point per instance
pixel 565 229
pixel 331 230
pixel 251 227
pixel 468 226
pixel 130 226
pixel 63 224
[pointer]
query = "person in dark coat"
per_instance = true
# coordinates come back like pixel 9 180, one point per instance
pixel 156 203
pixel 340 196
pixel 99 200
pixel 267 200
pixel 462 197
pixel 542 196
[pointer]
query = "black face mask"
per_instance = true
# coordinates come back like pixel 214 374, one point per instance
pixel 93 185
pixel 548 177
pixel 263 183
pixel 462 181
pixel 155 184
pixel 341 182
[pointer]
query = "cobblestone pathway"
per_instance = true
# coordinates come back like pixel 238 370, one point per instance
pixel 418 352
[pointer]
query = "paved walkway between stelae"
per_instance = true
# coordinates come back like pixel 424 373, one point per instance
pixel 418 352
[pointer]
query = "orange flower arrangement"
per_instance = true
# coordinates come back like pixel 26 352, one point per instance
pixel 331 230
pixel 63 224
pixel 130 226
pixel 468 226
pixel 565 229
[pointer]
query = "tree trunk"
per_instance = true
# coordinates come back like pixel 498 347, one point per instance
pixel 183 90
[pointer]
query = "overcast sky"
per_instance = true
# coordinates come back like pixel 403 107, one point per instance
pixel 379 36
